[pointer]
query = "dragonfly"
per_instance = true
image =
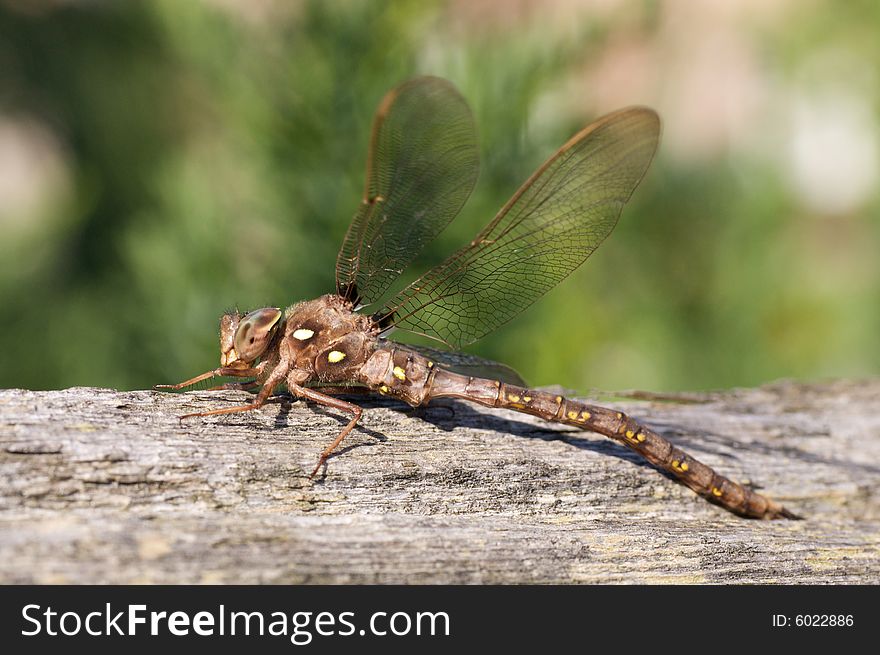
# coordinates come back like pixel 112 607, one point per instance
pixel 421 167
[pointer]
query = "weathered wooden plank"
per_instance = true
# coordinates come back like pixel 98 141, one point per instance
pixel 103 486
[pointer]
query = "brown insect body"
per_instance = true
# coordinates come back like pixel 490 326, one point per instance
pixel 421 168
pixel 415 379
pixel 325 341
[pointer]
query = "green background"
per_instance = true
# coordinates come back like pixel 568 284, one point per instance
pixel 161 162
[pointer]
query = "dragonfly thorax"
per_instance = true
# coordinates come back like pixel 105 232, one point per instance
pixel 327 338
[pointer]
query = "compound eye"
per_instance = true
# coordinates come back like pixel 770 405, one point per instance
pixel 254 332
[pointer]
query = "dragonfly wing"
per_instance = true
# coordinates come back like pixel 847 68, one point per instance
pixel 546 230
pixel 459 362
pixel 421 168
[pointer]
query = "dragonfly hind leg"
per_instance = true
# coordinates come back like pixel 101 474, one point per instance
pixel 336 403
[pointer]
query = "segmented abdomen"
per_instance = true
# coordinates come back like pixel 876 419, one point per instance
pixel 618 426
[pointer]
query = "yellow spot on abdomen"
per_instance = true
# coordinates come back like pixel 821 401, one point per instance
pixel 641 436
pixel 684 466
pixel 303 334
pixel 513 398
pixel 585 416
pixel 383 389
pixel 716 491
pixel 572 415
pixel 630 434
pixel 399 373
pixel 335 356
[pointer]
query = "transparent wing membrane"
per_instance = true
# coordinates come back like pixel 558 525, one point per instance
pixel 421 168
pixel 459 362
pixel 546 230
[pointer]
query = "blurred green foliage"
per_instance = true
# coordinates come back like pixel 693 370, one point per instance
pixel 214 159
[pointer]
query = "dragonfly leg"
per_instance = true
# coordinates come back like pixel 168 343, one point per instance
pixel 329 401
pixel 268 387
pixel 217 372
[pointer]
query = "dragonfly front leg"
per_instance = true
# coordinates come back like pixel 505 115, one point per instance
pixel 217 372
pixel 328 401
pixel 275 378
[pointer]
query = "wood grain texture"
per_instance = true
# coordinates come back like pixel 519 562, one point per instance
pixel 100 486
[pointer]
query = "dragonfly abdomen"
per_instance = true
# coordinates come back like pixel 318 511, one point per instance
pixel 618 426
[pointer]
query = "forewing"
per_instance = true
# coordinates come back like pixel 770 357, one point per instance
pixel 546 230
pixel 421 168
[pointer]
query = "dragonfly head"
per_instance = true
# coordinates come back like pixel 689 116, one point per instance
pixel 245 337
